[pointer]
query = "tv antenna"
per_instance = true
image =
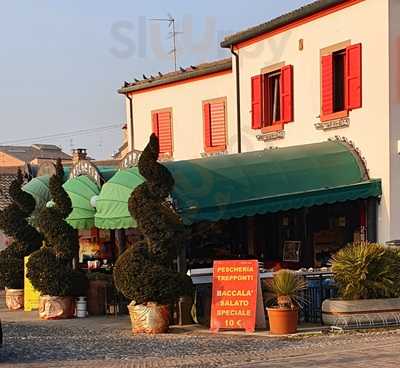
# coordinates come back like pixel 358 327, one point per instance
pixel 172 35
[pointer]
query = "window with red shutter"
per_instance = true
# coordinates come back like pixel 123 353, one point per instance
pixel 327 85
pixel 341 82
pixel 256 97
pixel 214 113
pixel 277 98
pixel 353 77
pixel 286 94
pixel 162 127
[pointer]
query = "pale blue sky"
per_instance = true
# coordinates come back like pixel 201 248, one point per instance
pixel 61 62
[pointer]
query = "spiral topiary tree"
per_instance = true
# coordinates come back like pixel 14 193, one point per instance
pixel 51 269
pixel 13 221
pixel 144 273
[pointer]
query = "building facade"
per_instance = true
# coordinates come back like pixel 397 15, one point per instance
pixel 328 69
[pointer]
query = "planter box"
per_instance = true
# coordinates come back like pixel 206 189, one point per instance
pixel 361 313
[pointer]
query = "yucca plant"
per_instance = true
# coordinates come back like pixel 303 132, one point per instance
pixel 366 271
pixel 287 286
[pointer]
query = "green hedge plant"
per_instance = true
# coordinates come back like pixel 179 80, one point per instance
pixel 26 239
pixel 145 273
pixel 367 271
pixel 50 269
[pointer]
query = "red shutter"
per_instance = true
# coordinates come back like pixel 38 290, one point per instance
pixel 207 125
pixel 164 131
pixel 155 123
pixel 353 77
pixel 256 96
pixel 218 130
pixel 287 94
pixel 326 85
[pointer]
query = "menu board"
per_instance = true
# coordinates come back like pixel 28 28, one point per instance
pixel 236 296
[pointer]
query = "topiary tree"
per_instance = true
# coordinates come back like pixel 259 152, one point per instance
pixel 144 273
pixel 51 269
pixel 13 221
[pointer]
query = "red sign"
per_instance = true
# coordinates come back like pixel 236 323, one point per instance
pixel 235 292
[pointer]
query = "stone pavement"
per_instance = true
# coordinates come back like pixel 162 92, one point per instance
pixel 108 342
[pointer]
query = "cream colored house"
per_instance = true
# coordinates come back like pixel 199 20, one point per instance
pixel 330 69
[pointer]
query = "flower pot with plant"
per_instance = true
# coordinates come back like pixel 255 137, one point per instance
pixel 368 279
pixel 13 221
pixel 145 273
pixel 287 286
pixel 51 269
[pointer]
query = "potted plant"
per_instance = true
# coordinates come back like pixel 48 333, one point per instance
pixel 13 221
pixel 144 273
pixel 368 279
pixel 51 269
pixel 287 286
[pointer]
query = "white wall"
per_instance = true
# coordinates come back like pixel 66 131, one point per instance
pixel 394 52
pixel 187 113
pixel 365 22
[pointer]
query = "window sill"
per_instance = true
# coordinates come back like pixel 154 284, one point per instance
pixel 215 149
pixel 334 116
pixel 276 127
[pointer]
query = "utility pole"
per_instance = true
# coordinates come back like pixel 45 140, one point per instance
pixel 171 24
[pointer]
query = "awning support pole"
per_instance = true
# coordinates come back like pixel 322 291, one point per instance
pixel 372 210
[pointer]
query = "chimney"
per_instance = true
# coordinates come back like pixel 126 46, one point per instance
pixel 79 154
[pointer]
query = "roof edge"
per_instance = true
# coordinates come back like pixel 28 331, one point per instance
pixel 281 21
pixel 215 67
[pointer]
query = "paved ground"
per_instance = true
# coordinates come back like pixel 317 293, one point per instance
pixel 108 342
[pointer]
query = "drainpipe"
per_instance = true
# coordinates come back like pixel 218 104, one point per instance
pixel 239 128
pixel 131 121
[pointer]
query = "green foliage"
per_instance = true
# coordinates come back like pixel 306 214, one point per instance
pixel 144 273
pixel 367 271
pixel 13 221
pixel 287 286
pixel 50 268
pixel 141 279
pixel 52 276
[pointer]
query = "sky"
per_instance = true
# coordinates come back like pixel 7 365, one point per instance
pixel 62 61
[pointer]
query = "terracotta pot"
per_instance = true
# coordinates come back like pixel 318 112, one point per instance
pixel 15 299
pixel 282 321
pixel 151 318
pixel 56 307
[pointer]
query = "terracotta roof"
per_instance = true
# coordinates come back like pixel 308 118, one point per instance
pixel 36 151
pixel 184 74
pixel 281 21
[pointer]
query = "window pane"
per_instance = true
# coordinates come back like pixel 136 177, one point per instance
pixel 339 82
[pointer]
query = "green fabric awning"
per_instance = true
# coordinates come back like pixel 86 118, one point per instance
pixel 112 204
pixel 81 190
pixel 234 186
pixel 38 188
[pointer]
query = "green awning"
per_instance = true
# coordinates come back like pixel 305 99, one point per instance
pixel 234 186
pixel 112 204
pixel 81 190
pixel 38 188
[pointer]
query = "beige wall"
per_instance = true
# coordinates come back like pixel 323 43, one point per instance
pixel 365 22
pixel 187 113
pixel 394 52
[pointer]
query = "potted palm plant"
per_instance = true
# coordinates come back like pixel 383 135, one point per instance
pixel 26 239
pixel 145 272
pixel 368 279
pixel 287 286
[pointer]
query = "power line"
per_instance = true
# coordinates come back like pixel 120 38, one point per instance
pixel 70 134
